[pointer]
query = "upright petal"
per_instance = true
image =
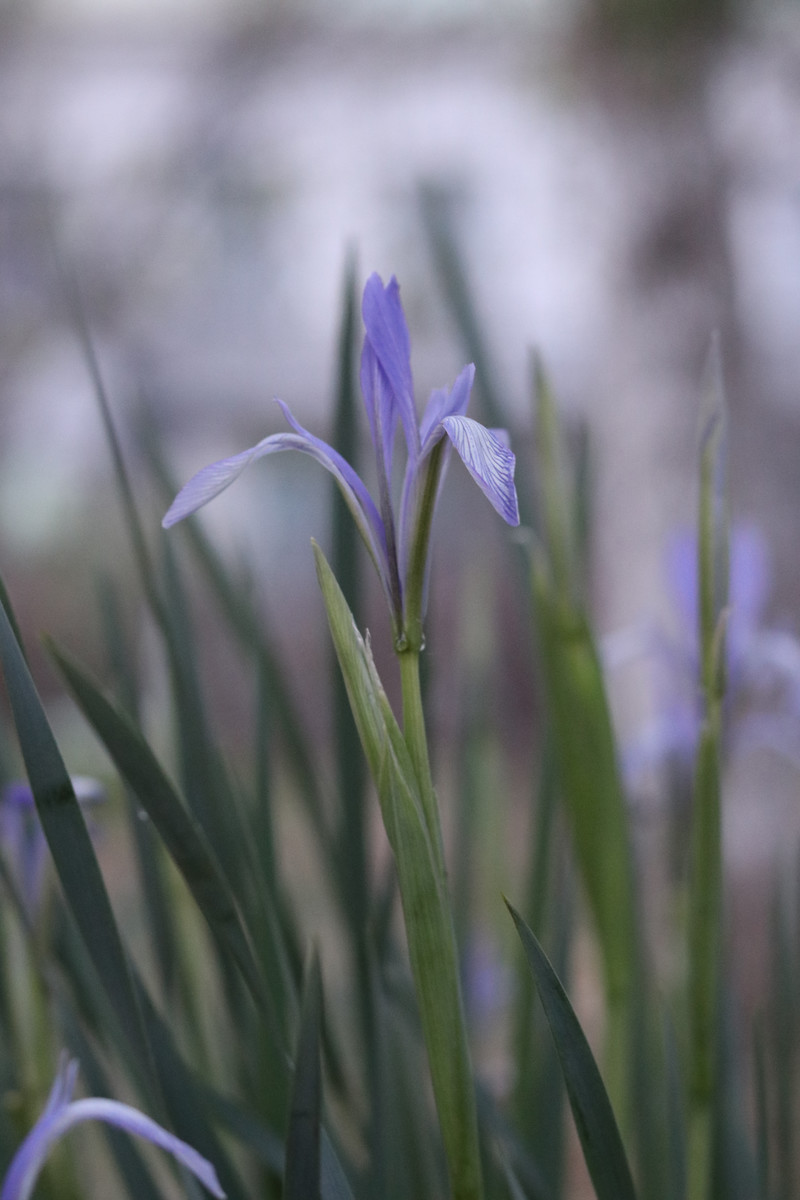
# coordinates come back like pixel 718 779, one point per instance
pixel 381 408
pixel 489 461
pixel 387 338
pixel 446 404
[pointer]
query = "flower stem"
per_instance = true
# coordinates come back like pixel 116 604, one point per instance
pixel 417 741
pixel 436 975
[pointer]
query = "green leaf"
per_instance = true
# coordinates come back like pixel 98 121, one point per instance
pixel 160 917
pixel 302 1171
pixel 705 883
pixel 182 836
pixel 423 890
pixel 69 841
pixel 713 518
pixel 584 746
pixel 597 1129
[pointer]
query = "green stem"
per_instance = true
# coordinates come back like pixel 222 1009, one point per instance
pixel 437 977
pixel 414 592
pixel 416 739
pixel 704 955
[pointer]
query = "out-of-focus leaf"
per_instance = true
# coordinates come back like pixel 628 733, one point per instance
pixel 713 521
pixel 302 1170
pixel 705 883
pixel 594 1119
pixel 182 836
pixel 132 1167
pixel 583 745
pixel 160 921
pixel 70 845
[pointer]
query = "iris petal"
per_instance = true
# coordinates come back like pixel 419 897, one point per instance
pixel 212 480
pixel 489 462
pixel 387 338
pixel 446 404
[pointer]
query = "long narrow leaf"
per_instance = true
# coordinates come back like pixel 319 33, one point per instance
pixel 69 841
pixel 594 1119
pixel 182 836
pixel 302 1172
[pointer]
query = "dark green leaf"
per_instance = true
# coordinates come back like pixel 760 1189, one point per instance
pixel 594 1119
pixel 70 845
pixel 302 1173
pixel 182 836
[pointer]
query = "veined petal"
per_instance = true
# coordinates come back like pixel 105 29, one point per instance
pixel 61 1113
pixel 212 480
pixel 446 404
pixel 387 336
pixel 489 462
pixel 381 408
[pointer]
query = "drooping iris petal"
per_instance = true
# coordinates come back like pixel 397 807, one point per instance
pixel 446 404
pixel 61 1113
pixel 489 462
pixel 218 476
pixel 212 480
pixel 387 339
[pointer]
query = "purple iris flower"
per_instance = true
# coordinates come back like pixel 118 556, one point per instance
pixel 62 1112
pixel 396 527
pixel 762 664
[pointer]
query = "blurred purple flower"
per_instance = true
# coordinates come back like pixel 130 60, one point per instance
pixel 22 840
pixel 762 700
pixel 391 527
pixel 486 980
pixel 62 1112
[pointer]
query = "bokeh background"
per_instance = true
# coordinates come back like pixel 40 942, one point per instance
pixel 620 179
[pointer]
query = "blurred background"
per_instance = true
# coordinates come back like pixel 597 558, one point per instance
pixel 619 178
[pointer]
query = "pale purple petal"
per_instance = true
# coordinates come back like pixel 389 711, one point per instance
pixel 358 500
pixel 122 1116
pixel 61 1113
pixel 489 462
pixel 387 338
pixel 382 412
pixel 340 468
pixel 446 404
pixel 212 480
